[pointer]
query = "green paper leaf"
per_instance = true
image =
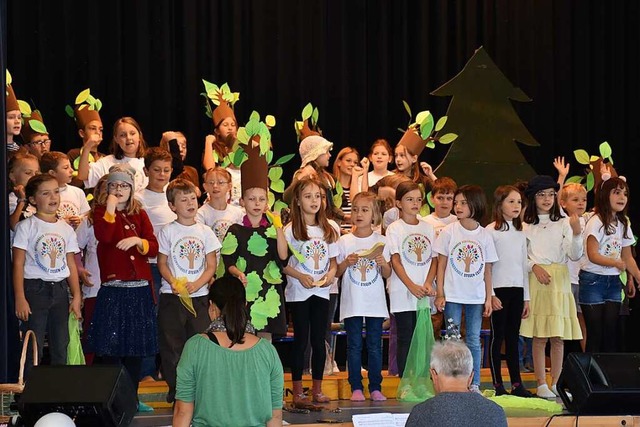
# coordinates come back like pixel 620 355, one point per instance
pixel 582 157
pixel 257 245
pixel 225 89
pixel 270 232
pixel 590 181
pixel 239 156
pixel 448 138
pixel 440 124
pixel 307 111
pixel 594 158
pixel 7 78
pixel 272 273
pixel 284 159
pixel 38 126
pixel 82 107
pixel 277 186
pixel 90 100
pixel 430 199
pixel 314 116
pixel 301 259
pixel 401 130
pixel 82 96
pixel 225 162
pixel 279 205
pixel 270 120
pixel 605 150
pixel 254 116
pixel 69 111
pixel 422 116
pixel 252 127
pixel 254 286
pixel 407 108
pixel 275 173
pixel 209 88
pixel 25 108
pixel 269 156
pixel 229 244
pixel 623 278
pixel 264 145
pixel 242 136
pixel 241 264
pixel 425 210
pixel 574 179
pixel 426 127
pixel 220 269
pixel 98 105
pixel 271 198
pixel 431 145
pixel 265 308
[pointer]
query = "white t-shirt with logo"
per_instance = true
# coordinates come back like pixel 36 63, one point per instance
pixel 609 245
pixel 186 248
pixel 362 283
pixel 467 251
pixel 157 208
pixel 73 202
pixel 219 220
pixel 414 244
pixel 47 245
pixel 437 222
pixel 317 254
pixel 100 168
pixel 236 186
pixel 87 241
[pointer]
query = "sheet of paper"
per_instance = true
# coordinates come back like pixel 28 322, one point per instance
pixel 384 419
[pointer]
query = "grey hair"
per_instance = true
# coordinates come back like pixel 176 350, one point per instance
pixel 452 359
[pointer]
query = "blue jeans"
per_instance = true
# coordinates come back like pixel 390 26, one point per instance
pixel 473 323
pixel 353 326
pixel 598 288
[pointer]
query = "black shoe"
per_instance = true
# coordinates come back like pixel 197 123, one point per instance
pixel 520 391
pixel 500 390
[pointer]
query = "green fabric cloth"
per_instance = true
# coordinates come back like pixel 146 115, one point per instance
pixel 416 384
pixel 75 356
pixel 230 387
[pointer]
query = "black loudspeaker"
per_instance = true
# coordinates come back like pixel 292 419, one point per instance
pixel 601 383
pixel 92 395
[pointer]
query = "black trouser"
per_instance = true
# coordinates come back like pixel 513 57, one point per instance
pixel 405 323
pixel 601 321
pixel 309 324
pixel 505 326
pixel 175 326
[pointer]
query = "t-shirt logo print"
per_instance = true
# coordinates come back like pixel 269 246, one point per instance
pixel 363 266
pixel 220 228
pixel 190 249
pixel 416 249
pixel 66 210
pixel 612 249
pixel 316 250
pixel 53 247
pixel 466 258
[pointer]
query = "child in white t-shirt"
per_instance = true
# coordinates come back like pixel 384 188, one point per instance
pixel 73 202
pixel 217 213
pixel 309 274
pixel 608 241
pixel 187 252
pixel 465 253
pixel 44 270
pixel 414 265
pixel 363 293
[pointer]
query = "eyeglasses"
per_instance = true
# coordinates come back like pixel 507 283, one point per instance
pixel 117 186
pixel 220 183
pixel 544 194
pixel 40 143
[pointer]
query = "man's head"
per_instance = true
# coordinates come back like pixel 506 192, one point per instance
pixel 451 366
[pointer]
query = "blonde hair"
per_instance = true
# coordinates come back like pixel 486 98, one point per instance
pixel 341 154
pixel 376 215
pixel 571 188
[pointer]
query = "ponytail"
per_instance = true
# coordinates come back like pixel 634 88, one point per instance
pixel 229 295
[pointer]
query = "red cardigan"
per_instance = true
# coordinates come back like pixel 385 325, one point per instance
pixel 116 264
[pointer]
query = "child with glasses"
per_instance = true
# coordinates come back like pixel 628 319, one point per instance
pixel 551 241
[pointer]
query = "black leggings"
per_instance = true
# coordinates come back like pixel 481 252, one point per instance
pixel 309 324
pixel 601 321
pixel 406 324
pixel 505 326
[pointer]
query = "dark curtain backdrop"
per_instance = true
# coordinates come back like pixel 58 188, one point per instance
pixel 356 60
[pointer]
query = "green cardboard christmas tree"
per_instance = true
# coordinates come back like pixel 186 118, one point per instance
pixel 481 113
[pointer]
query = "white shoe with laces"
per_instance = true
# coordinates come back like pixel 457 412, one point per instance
pixel 554 389
pixel 475 388
pixel 544 392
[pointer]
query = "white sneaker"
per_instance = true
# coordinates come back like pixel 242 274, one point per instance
pixel 475 388
pixel 544 392
pixel 554 389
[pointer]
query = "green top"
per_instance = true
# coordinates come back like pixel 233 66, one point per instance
pixel 230 387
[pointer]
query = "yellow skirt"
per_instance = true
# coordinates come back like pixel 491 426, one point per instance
pixel 552 309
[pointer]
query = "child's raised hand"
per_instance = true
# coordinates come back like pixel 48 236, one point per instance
pixel 561 166
pixel 19 190
pixel 307 281
pixel 128 242
pixel 380 260
pixel 274 218
pixel 357 171
pixel 112 202
pixel 351 259
pixel 365 163
pixel 73 220
pixel 574 222
pixel 75 307
pixel 428 170
pixel 23 310
pixel 496 304
pixel 92 142
pixel 541 274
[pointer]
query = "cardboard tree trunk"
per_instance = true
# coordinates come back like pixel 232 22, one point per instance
pixel 481 113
